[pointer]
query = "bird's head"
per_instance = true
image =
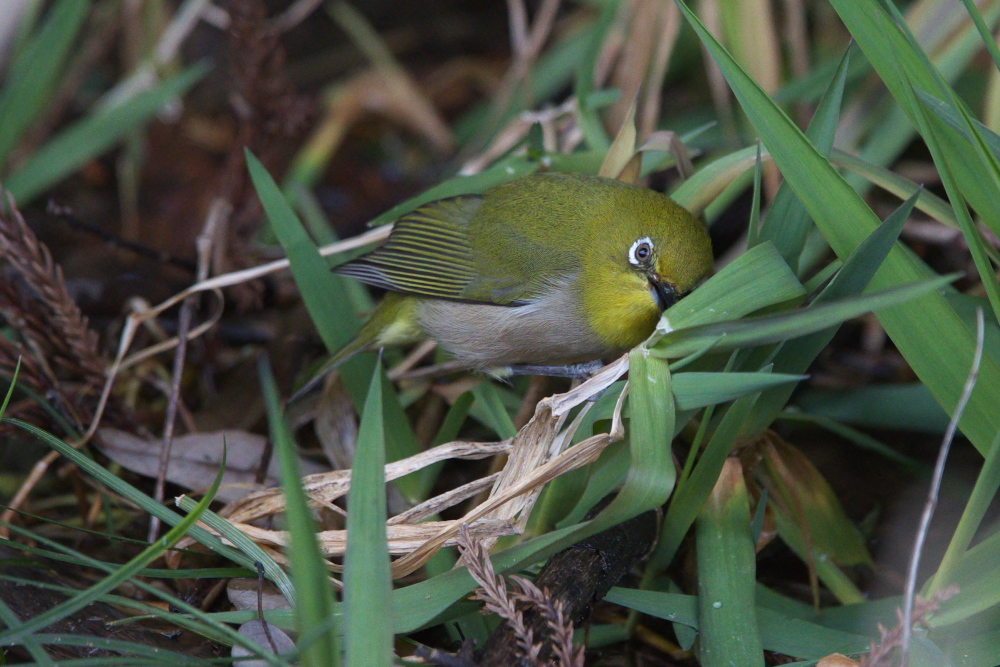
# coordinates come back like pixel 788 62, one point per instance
pixel 647 252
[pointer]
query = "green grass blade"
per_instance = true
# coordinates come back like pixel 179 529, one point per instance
pixel 368 633
pixel 133 495
pixel 693 491
pixel 316 283
pixel 10 388
pixel 488 397
pixel 697 390
pixel 319 643
pixel 917 328
pixel 787 221
pixel 944 161
pixel 31 642
pixel 34 74
pixel 754 231
pixel 984 31
pixel 779 631
pixel 796 355
pixel 983 492
pixel 123 574
pixel 776 328
pixel 756 279
pixel 908 406
pixel 898 185
pixel 589 118
pixel 93 135
pixel 727 565
pixel 652 418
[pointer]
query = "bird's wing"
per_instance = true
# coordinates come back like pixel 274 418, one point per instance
pixel 427 253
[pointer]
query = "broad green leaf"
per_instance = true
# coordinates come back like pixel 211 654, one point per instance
pixel 909 407
pixel 367 575
pixel 799 488
pixel 779 631
pixel 651 474
pixel 318 642
pixel 839 584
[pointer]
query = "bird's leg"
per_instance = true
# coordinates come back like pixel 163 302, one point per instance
pixel 575 371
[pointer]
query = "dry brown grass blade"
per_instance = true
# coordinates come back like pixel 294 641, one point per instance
pixel 403 538
pixel 669 29
pixel 329 486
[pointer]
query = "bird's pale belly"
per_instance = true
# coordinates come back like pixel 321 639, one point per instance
pixel 546 332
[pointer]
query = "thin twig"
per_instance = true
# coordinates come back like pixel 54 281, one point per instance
pixel 932 494
pixel 260 607
pixel 219 211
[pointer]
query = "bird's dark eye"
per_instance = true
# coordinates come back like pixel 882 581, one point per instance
pixel 641 252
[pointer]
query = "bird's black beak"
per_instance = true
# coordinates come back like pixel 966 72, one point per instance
pixel 664 293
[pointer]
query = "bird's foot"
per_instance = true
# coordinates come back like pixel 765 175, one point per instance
pixel 575 371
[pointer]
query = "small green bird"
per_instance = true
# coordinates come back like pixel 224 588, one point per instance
pixel 544 271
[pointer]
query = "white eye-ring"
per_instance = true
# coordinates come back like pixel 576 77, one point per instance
pixel 641 252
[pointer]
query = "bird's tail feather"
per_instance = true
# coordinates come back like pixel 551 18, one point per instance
pixel 371 336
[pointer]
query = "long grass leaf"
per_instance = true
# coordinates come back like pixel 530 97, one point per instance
pixel 315 282
pixel 125 572
pixel 727 612
pixel 367 575
pixel 319 643
pixel 776 328
pixel 787 221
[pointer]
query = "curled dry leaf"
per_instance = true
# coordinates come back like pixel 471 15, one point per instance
pixel 328 486
pixel 336 425
pixel 403 539
pixel 195 459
